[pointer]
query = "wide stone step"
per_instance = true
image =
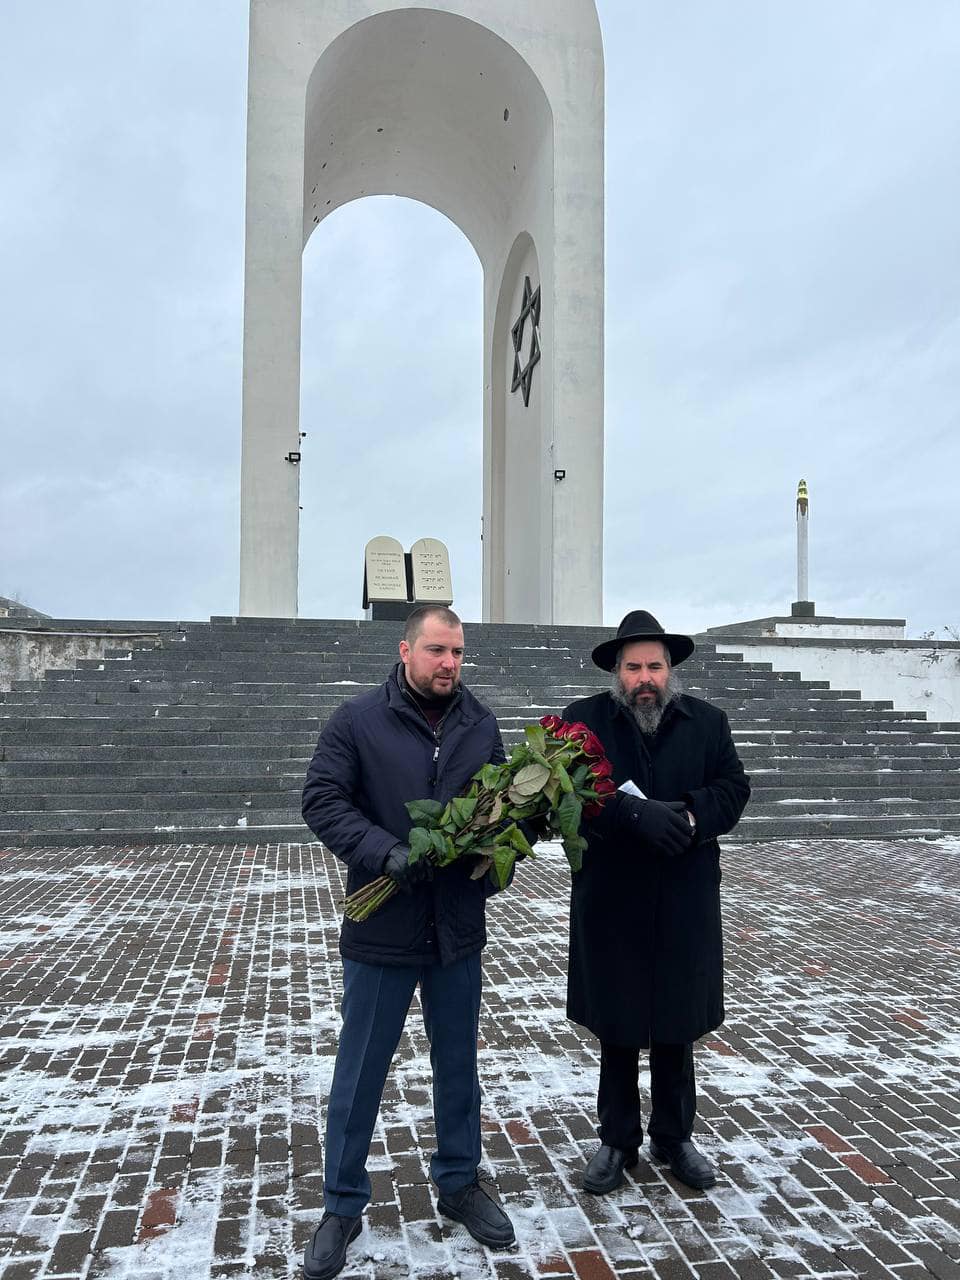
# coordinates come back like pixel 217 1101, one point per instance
pixel 174 798
pixel 156 819
pixel 277 833
pixel 882 805
pixel 206 749
pixel 119 692
pixel 91 774
pixel 85 714
pixel 138 734
pixel 897 827
pixel 192 806
pixel 841 750
pixel 862 790
pixel 888 780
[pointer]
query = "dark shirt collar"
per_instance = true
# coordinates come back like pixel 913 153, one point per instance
pixel 435 711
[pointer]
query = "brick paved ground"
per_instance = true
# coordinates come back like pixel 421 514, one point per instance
pixel 169 1022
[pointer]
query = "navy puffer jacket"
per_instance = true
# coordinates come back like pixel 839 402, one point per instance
pixel 376 752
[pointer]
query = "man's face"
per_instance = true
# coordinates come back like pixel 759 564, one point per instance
pixel 432 663
pixel 643 673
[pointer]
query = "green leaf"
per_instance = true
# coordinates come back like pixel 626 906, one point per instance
pixel 536 737
pixel 530 780
pixel 424 813
pixel 551 791
pixel 561 775
pixel 420 842
pixel 444 848
pixel 579 775
pixel 568 816
pixel 492 777
pixel 463 810
pixel 519 841
pixel 504 857
pixel 574 848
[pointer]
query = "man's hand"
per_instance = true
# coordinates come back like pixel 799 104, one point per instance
pixel 664 825
pixel 406 874
pixel 536 828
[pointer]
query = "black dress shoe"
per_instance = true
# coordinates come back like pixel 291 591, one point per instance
pixel 686 1163
pixel 327 1251
pixel 480 1214
pixel 605 1171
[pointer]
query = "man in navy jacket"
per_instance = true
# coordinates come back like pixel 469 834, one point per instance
pixel 420 735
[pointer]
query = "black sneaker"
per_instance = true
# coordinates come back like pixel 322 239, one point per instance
pixel 480 1214
pixel 327 1251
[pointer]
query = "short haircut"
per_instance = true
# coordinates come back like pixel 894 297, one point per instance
pixel 666 654
pixel 416 619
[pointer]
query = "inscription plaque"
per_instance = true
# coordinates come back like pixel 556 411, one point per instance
pixel 384 571
pixel 431 572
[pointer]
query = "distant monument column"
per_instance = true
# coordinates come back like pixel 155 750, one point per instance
pixel 802 607
pixel 492 113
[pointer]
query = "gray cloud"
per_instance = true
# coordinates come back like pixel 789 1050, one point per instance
pixel 783 276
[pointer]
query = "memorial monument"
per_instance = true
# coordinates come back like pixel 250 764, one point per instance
pixel 395 581
pixel 492 113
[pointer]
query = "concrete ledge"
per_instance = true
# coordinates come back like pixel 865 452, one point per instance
pixel 918 675
pixel 818 626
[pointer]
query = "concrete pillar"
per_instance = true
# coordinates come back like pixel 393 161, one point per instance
pixel 802 606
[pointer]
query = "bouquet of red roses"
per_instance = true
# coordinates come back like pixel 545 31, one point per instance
pixel 556 775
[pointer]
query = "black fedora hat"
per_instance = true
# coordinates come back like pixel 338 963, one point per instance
pixel 640 625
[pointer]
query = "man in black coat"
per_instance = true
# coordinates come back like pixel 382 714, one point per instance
pixel 646 951
pixel 420 735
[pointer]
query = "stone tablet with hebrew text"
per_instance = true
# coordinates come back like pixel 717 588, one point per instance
pixel 431 572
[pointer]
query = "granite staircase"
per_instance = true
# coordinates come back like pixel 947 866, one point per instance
pixel 203 733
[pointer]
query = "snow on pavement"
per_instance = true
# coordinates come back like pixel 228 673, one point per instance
pixel 170 1020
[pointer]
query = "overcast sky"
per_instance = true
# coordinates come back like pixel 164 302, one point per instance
pixel 782 300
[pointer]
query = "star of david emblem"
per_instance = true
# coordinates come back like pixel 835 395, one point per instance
pixel 529 308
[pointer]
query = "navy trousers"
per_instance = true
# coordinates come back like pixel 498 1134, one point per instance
pixel 673 1095
pixel 376 999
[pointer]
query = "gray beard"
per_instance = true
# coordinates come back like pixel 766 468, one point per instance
pixel 647 718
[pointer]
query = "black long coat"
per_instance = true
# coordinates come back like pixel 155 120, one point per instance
pixel 646 947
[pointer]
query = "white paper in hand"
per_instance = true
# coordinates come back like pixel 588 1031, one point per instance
pixel 631 788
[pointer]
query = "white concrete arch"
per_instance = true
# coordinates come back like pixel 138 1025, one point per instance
pixel 411 102
pixel 495 118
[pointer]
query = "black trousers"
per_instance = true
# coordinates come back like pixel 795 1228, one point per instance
pixel 673 1095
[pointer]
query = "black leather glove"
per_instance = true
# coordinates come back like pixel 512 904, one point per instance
pixel 406 874
pixel 659 823
pixel 534 829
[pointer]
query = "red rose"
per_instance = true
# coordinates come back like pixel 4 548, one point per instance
pixel 604 786
pixel 551 723
pixel 592 746
pixel 592 809
pixel 601 769
pixel 577 732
